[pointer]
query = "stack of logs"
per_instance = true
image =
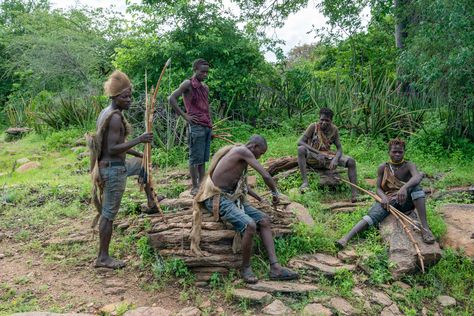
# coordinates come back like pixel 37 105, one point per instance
pixel 171 239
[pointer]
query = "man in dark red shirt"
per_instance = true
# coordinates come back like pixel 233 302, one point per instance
pixel 196 101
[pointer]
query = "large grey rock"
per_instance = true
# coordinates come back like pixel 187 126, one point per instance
pixel 446 301
pixel 342 306
pixel 148 311
pixel 380 298
pixel 282 287
pixel 301 212
pixel 347 255
pixel 189 311
pixel 276 308
pixel 319 263
pixel 401 249
pixel 252 296
pixel 28 166
pixel 391 310
pixel 180 203
pixel 459 219
pixel 316 310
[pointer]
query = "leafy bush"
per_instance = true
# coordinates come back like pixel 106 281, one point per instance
pixel 62 139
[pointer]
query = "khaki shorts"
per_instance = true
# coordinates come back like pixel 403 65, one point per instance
pixel 322 161
pixel 115 180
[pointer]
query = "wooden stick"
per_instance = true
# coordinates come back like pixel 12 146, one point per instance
pixel 224 139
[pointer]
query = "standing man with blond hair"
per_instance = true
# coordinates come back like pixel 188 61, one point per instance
pixel 109 167
pixel 196 101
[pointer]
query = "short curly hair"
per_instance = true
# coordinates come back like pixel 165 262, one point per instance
pixel 396 141
pixel 198 62
pixel 326 111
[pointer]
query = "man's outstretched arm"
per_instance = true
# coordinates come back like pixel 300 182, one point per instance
pixel 267 178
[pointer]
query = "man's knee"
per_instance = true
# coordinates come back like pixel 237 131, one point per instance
pixel 351 163
pixel 264 222
pixel 301 151
pixel 251 228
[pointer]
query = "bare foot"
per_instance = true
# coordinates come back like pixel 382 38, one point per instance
pixel 109 263
pixel 194 191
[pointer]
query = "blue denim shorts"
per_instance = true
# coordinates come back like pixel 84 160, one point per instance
pixel 377 213
pixel 115 180
pixel 239 218
pixel 199 140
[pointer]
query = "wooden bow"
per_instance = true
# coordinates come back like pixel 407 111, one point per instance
pixel 147 166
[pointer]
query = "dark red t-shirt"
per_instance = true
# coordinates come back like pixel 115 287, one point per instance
pixel 197 103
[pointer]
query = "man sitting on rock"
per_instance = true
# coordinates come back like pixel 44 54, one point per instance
pixel 223 193
pixel 397 185
pixel 314 150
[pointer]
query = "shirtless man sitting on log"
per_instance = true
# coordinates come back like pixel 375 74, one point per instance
pixel 223 193
pixel 314 150
pixel 398 185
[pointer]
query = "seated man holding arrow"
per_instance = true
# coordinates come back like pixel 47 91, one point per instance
pixel 397 185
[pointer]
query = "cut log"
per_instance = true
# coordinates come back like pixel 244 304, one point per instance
pixel 319 263
pixel 171 238
pixel 284 174
pixel 289 165
pixel 207 260
pixel 278 165
pixel 177 203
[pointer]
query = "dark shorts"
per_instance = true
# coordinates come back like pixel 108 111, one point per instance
pixel 322 161
pixel 115 180
pixel 377 213
pixel 199 141
pixel 239 218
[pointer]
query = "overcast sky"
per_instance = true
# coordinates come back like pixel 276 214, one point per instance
pixel 293 33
